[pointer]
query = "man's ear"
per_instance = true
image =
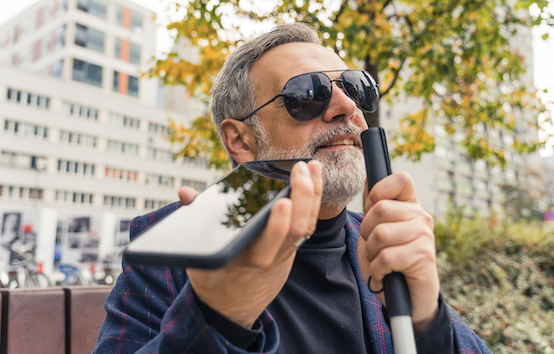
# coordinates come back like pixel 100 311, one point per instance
pixel 239 140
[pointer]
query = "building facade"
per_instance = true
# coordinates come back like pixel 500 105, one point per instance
pixel 447 178
pixel 75 147
pixel 81 129
pixel 106 44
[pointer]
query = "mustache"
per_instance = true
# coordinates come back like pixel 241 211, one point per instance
pixel 330 135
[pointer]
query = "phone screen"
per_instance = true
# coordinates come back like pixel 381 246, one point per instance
pixel 207 227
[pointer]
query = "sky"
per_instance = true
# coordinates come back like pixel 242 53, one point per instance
pixel 543 49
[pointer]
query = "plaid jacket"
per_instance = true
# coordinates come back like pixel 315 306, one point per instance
pixel 153 310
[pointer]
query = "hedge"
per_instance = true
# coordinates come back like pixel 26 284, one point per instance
pixel 500 280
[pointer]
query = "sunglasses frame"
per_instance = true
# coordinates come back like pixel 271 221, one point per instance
pixel 375 85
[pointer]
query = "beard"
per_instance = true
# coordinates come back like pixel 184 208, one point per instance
pixel 343 172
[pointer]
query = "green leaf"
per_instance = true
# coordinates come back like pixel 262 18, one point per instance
pixel 545 36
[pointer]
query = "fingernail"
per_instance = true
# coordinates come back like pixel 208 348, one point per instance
pixel 317 173
pixel 303 169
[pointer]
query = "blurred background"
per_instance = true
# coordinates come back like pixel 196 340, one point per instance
pixel 104 115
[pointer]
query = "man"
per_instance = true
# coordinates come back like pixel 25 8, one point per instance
pixel 277 296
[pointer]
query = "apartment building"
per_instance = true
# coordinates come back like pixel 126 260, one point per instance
pixel 81 129
pixel 101 43
pixel 447 177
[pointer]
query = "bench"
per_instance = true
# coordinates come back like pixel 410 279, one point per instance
pixel 59 320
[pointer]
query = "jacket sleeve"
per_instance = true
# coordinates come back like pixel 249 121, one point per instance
pixel 154 310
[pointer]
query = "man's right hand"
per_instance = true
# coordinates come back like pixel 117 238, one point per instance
pixel 241 290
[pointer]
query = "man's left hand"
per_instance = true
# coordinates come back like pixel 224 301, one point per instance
pixel 397 235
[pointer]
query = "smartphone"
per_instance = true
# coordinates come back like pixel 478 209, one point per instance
pixel 220 222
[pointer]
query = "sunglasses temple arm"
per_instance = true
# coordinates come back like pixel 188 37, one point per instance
pixel 262 106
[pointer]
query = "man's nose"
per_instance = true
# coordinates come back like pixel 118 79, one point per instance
pixel 341 106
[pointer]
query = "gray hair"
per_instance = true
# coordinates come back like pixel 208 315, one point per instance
pixel 232 93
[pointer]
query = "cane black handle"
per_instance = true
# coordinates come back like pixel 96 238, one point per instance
pixel 397 296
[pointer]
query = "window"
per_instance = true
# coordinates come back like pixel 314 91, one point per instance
pixel 122 175
pixel 36 50
pixel 89 38
pixel 38 18
pixel 159 180
pixel 123 148
pixel 480 165
pixel 94 7
pixel 136 21
pixel 150 204
pixel 440 151
pixel 125 84
pixel 127 51
pixel 124 121
pixel 17 33
pixel 119 202
pixel 118 48
pixel 198 185
pixel 129 19
pixel 61 9
pixel 57 68
pixel 38 101
pixel 120 15
pixel 20 160
pixel 156 128
pixel 87 73
pixel 134 53
pixel 200 161
pixel 77 110
pixel 67 197
pixel 8 159
pixel 14 95
pixel 20 193
pixel 482 185
pixel 508 139
pixel 59 38
pixel 29 98
pixel 25 129
pixel 77 139
pixel 466 181
pixel 76 168
pixel 159 154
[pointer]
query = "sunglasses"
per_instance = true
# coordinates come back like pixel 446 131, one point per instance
pixel 307 96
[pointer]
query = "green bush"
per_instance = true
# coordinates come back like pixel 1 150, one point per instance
pixel 500 280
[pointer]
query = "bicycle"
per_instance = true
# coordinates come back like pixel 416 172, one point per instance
pixel 26 274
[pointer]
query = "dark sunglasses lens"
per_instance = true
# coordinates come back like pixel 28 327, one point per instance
pixel 361 89
pixel 307 96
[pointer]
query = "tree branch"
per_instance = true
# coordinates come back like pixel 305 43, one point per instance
pixel 341 10
pixel 396 74
pixel 387 2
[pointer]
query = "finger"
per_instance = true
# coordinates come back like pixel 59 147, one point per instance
pixel 366 195
pixel 187 195
pixel 387 235
pixel 302 195
pixel 315 168
pixel 413 259
pixel 398 186
pixel 263 250
pixel 387 211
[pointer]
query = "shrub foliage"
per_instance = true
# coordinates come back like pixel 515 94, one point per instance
pixel 500 280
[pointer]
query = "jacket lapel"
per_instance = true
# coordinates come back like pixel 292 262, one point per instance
pixel 380 340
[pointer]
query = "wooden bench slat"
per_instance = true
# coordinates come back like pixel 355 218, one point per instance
pixel 33 321
pixel 85 316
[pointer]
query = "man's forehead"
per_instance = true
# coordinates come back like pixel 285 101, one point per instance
pixel 287 60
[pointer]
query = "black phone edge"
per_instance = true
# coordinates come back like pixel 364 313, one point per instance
pixel 218 260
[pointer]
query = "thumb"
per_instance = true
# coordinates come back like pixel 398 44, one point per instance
pixel 187 195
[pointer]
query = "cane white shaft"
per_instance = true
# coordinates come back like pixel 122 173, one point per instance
pixel 403 335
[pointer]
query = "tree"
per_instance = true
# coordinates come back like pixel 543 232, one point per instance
pixel 454 56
